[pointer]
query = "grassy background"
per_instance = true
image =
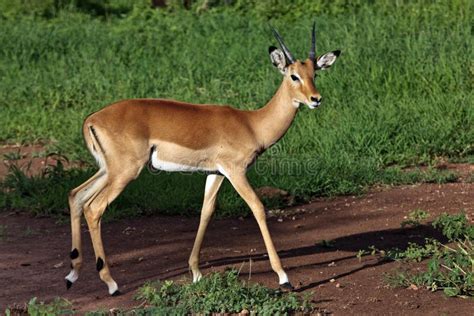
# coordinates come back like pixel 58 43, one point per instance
pixel 400 94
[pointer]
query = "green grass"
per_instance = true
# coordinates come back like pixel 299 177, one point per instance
pixel 167 193
pixel 400 94
pixel 435 264
pixel 214 293
pixel 219 293
pixel 12 155
pixel 414 218
pixel 447 267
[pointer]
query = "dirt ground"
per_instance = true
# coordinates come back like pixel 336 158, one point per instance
pixel 34 252
pixel 31 159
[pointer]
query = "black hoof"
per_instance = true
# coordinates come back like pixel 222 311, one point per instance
pixel 116 293
pixel 286 287
pixel 68 284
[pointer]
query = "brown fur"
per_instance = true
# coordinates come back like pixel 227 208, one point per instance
pixel 208 137
pixel 199 135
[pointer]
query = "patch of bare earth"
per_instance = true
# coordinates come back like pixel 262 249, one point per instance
pixel 31 159
pixel 34 252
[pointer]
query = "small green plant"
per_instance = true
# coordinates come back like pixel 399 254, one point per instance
pixel 454 226
pixel 415 252
pixel 38 154
pixel 414 218
pixel 450 267
pixel 372 251
pixel 16 155
pixel 361 253
pixel 219 293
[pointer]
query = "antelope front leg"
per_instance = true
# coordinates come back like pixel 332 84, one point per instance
pixel 241 185
pixel 213 183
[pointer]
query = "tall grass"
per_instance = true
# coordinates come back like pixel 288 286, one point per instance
pixel 400 94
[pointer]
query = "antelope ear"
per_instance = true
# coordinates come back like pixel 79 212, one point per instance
pixel 278 58
pixel 325 61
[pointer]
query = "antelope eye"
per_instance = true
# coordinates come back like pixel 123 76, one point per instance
pixel 294 78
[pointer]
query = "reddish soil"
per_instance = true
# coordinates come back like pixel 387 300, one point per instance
pixel 34 252
pixel 31 159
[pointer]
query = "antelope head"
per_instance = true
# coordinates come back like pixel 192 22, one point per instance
pixel 300 75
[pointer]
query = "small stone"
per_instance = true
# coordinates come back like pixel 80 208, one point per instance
pixel 332 280
pixel 128 230
pixel 413 287
pixel 58 265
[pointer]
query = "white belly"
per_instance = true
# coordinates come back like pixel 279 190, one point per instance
pixel 169 166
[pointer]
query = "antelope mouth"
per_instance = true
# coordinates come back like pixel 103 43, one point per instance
pixel 314 105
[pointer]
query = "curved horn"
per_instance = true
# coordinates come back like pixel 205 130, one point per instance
pixel 286 51
pixel 312 52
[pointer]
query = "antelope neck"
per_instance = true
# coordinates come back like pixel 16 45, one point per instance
pixel 272 121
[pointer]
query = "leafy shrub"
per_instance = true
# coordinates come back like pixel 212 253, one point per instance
pixel 454 227
pixel 450 267
pixel 45 193
pixel 414 218
pixel 219 293
pixel 414 252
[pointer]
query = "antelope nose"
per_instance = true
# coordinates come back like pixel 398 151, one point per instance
pixel 316 99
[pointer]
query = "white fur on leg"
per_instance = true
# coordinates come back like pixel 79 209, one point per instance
pixel 197 275
pixel 113 287
pixel 72 276
pixel 283 278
